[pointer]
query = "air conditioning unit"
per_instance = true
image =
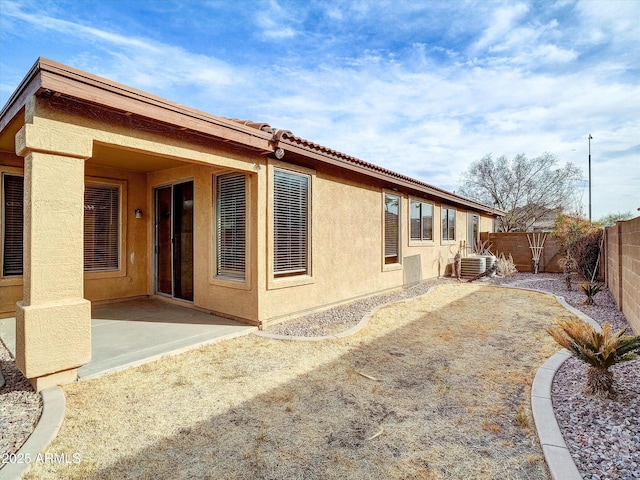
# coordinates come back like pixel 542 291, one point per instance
pixel 475 265
pixel 491 261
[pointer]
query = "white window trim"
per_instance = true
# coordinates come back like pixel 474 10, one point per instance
pixel 273 281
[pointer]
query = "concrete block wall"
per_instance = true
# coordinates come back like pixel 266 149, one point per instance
pixel 612 262
pixel 623 268
pixel 517 245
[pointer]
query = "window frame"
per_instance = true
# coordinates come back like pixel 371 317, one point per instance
pixel 121 185
pixel 387 260
pixel 118 234
pixel 422 239
pixel 12 278
pixel 470 224
pixel 88 274
pixel 217 273
pixel 445 230
pixel 275 281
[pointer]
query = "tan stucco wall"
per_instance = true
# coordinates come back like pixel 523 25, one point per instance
pixel 132 277
pixel 135 276
pixel 233 298
pixel 347 246
pixel 347 230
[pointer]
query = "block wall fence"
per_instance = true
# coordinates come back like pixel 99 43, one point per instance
pixel 517 245
pixel 622 268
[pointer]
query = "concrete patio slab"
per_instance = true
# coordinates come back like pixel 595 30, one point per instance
pixel 134 332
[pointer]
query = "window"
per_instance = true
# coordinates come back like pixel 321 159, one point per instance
pixel 473 231
pixel 231 227
pixel 101 227
pixel 391 229
pixel 421 221
pixel 290 223
pixel 448 223
pixel 12 225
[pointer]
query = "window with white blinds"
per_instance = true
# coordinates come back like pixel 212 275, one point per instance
pixel 391 229
pixel 231 226
pixel 12 224
pixel 101 227
pixel 290 223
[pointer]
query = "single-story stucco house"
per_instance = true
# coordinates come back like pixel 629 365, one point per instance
pixel 110 193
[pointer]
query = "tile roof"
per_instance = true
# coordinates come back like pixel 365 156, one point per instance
pixel 286 137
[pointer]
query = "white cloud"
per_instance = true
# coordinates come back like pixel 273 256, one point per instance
pixel 401 108
pixel 611 19
pixel 502 23
pixel 276 22
pixel 141 62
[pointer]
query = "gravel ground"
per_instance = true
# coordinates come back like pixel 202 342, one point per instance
pixel 20 407
pixel 340 318
pixel 602 435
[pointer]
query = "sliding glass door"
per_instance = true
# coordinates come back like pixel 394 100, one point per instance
pixel 174 240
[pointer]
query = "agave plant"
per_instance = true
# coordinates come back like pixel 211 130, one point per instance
pixel 600 350
pixel 590 290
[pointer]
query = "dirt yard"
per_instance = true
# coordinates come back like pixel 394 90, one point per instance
pixel 433 388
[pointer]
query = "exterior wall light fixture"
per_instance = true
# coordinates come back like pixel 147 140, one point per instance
pixel 138 213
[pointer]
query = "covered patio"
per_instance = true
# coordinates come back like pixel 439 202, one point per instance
pixel 134 332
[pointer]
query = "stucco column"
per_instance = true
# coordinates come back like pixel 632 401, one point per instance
pixel 53 322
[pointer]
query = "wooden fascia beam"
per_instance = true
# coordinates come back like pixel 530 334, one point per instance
pixel 182 118
pixel 30 86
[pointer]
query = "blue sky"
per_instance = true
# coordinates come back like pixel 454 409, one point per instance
pixel 420 87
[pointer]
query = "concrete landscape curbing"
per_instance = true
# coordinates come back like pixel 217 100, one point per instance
pixel 556 453
pixel 53 405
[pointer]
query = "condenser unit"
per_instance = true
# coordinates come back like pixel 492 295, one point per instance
pixel 473 266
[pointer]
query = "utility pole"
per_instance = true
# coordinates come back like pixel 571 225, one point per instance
pixel 590 137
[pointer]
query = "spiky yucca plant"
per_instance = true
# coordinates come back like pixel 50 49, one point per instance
pixel 599 350
pixel 590 290
pixel 505 266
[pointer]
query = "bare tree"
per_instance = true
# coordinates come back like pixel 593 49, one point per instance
pixel 526 188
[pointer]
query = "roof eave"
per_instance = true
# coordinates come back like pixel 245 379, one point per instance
pixel 29 86
pixel 47 75
pixel 59 79
pixel 305 148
